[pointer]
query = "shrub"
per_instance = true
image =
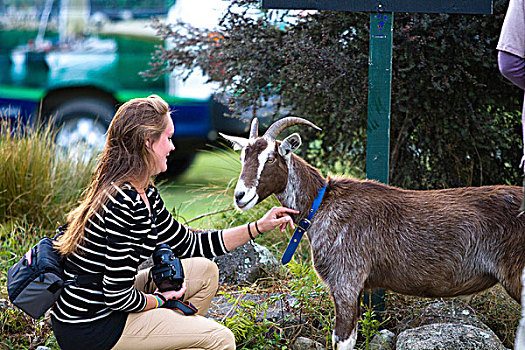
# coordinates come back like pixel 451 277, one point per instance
pixel 39 182
pixel 454 117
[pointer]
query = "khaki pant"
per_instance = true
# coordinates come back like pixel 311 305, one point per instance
pixel 168 329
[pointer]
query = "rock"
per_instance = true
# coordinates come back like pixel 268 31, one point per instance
pixel 302 343
pixel 246 264
pixel 452 311
pixel 41 347
pixel 384 340
pixel 519 343
pixel 448 336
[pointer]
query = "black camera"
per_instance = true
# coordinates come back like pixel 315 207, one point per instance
pixel 167 271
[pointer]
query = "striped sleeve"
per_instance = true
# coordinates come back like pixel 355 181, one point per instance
pixel 126 225
pixel 185 242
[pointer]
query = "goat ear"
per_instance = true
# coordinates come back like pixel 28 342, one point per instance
pixel 238 142
pixel 290 144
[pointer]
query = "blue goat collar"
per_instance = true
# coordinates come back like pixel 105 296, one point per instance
pixel 302 227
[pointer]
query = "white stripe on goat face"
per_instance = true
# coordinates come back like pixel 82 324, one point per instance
pixel 246 195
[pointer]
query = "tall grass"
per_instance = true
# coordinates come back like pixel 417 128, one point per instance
pixel 39 182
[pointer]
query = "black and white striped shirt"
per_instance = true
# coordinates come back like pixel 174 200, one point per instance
pixel 116 241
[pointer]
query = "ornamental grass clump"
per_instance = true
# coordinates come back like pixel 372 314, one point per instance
pixel 39 181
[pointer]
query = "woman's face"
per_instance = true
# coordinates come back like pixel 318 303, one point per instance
pixel 162 147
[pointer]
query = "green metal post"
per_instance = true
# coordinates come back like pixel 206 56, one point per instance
pixel 379 94
pixel 379 91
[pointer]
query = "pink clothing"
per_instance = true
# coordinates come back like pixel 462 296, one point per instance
pixel 512 37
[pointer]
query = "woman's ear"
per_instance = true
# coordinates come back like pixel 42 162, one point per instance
pixel 147 144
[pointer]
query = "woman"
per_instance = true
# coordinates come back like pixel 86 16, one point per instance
pixel 117 226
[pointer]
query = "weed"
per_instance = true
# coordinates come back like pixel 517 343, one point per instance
pixel 310 311
pixel 20 331
pixel 500 312
pixel 39 182
pixel 249 323
pixel 369 324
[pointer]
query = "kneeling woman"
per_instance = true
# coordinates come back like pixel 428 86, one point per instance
pixel 117 226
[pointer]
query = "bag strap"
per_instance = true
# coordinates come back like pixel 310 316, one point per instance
pixel 185 307
pixel 85 280
pixel 79 279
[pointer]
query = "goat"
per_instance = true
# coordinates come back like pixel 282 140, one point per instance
pixel 367 235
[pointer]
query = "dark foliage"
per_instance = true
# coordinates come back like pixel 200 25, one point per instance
pixel 454 117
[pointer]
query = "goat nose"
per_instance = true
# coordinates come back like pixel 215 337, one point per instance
pixel 239 195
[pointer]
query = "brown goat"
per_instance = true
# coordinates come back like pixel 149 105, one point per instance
pixel 368 235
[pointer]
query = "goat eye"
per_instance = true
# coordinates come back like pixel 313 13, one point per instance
pixel 270 160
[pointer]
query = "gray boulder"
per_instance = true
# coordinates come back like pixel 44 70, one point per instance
pixel 383 340
pixel 246 264
pixel 448 336
pixel 302 343
pixel 451 311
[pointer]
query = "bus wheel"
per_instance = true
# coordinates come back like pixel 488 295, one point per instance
pixel 82 126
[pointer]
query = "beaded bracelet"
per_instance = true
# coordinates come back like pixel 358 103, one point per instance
pixel 250 232
pixel 160 299
pixel 258 231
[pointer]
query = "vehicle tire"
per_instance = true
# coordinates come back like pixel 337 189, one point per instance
pixel 83 123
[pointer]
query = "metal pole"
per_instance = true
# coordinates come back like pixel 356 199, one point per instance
pixel 379 96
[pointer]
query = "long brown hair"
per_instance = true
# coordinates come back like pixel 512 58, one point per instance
pixel 125 157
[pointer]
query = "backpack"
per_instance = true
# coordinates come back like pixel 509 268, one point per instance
pixel 35 282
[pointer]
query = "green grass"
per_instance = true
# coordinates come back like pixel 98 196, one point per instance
pixel 203 188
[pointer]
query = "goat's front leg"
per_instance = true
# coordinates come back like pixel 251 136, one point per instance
pixel 346 316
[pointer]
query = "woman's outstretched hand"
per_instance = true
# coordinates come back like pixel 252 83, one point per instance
pixel 277 216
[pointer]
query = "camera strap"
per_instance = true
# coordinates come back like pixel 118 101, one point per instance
pixel 185 307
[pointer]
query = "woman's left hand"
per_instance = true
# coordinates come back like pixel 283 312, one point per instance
pixel 277 216
pixel 174 294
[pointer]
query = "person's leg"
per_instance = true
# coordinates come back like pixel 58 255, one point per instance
pixel 202 282
pixel 144 282
pixel 512 67
pixel 167 329
pixel 201 276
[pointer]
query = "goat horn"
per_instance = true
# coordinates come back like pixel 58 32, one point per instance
pixel 276 128
pixel 254 130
